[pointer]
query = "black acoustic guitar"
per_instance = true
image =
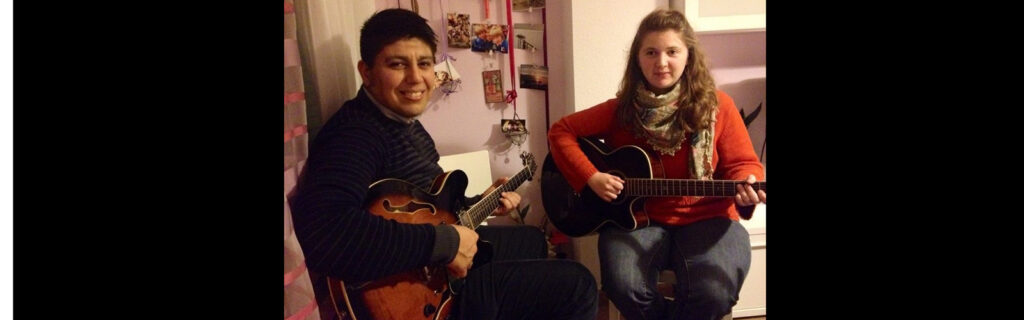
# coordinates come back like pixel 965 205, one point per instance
pixel 580 214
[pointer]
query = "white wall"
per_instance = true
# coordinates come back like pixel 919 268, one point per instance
pixel 603 31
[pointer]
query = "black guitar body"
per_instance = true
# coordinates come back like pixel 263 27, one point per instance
pixel 580 214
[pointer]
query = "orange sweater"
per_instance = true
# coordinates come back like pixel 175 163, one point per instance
pixel 732 159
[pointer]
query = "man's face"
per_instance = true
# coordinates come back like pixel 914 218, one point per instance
pixel 401 76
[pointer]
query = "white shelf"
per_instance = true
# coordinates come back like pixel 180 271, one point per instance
pixel 720 16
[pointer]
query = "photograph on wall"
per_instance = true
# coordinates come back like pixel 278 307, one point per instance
pixel 524 5
pixel 458 30
pixel 533 76
pixel 492 86
pixel 490 37
pixel 529 36
pixel 513 126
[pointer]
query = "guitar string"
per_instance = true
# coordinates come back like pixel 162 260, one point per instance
pixel 492 200
pixel 657 187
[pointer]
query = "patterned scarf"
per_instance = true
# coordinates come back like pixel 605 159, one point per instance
pixel 656 114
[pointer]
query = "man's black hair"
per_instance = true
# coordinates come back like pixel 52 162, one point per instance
pixel 390 25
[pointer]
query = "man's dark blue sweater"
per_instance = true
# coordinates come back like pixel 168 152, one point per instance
pixel 359 145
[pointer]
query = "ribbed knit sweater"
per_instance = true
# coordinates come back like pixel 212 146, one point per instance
pixel 359 145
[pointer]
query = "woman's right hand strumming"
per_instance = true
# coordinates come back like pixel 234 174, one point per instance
pixel 606 186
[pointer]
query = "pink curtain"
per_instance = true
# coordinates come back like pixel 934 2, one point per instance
pixel 299 301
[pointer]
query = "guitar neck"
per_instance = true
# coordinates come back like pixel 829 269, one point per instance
pixel 482 209
pixel 686 187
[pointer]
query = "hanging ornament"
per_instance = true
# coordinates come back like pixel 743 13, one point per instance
pixel 515 129
pixel 448 80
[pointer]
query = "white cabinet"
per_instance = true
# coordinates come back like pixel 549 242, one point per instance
pixel 714 16
pixel 753 295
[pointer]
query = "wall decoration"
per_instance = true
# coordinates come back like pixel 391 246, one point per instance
pixel 490 38
pixel 458 30
pixel 515 129
pixel 492 86
pixel 533 76
pixel 448 79
pixel 529 36
pixel 524 5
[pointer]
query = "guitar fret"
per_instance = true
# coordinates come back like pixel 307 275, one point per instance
pixel 479 212
pixel 685 187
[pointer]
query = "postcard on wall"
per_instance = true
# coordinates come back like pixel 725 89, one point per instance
pixel 492 86
pixel 533 76
pixel 458 30
pixel 529 36
pixel 490 37
pixel 523 5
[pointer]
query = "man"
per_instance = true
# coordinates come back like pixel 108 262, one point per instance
pixel 376 136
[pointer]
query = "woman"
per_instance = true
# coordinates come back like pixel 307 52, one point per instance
pixel 668 105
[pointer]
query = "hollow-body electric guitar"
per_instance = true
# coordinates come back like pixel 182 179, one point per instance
pixel 422 293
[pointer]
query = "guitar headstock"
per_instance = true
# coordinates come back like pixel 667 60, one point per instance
pixel 530 163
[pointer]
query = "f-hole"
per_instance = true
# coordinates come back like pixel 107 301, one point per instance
pixel 408 208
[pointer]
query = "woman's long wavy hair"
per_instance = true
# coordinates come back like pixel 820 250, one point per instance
pixel 697 101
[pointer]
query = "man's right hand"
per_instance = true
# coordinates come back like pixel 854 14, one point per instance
pixel 467 249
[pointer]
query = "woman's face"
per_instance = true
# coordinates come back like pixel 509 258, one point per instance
pixel 662 59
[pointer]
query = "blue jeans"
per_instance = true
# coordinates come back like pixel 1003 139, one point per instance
pixel 711 259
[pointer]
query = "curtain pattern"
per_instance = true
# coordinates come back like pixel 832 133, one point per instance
pixel 299 300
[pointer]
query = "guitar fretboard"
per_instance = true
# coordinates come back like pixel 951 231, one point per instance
pixel 482 209
pixel 686 187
